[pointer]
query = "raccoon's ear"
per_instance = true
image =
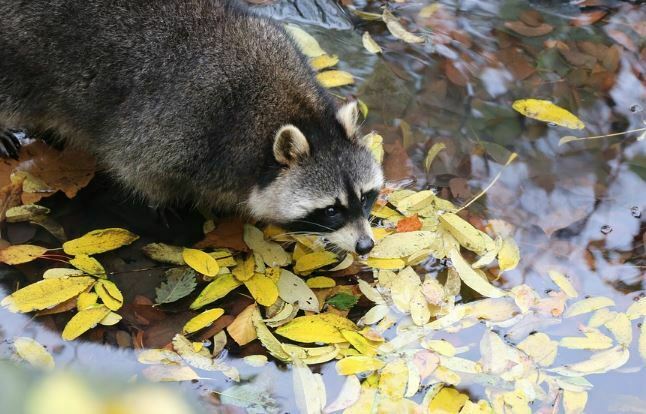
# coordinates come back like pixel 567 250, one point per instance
pixel 290 145
pixel 348 115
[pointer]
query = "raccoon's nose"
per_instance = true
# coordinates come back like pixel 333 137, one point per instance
pixel 364 245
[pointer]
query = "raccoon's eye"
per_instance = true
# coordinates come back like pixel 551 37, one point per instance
pixel 331 211
pixel 363 199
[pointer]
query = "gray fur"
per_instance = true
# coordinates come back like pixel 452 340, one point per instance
pixel 179 99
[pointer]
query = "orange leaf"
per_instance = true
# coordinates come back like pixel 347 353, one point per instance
pixel 411 223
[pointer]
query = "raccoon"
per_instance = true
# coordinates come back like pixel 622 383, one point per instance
pixel 197 101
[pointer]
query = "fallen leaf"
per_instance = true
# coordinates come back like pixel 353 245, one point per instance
pixel 89 265
pixel 324 62
pixel 574 402
pixel 61 272
pixel 164 253
pixel 111 319
pixel 432 153
pixel 202 320
pixel 407 224
pixel 309 390
pixel 179 283
pixel 267 339
pixel 348 395
pixel 312 261
pixel 83 321
pixel 335 78
pixel 324 327
pixel 369 43
pixel 242 329
pixel 99 241
pixel 33 352
pixel 306 42
pixel 356 364
pixel 46 293
pixel 86 300
pixel 588 305
pixel 396 29
pixel 467 235
pixel 263 289
pixel 621 329
pixel 540 348
pixel 110 294
pixel 563 283
pixel 201 262
pixel 256 361
pixel 546 111
pixel 22 253
pixel 342 301
pixel 598 363
pixel 447 401
pixel 320 282
pixel 529 31
pixel 593 340
pixel 25 213
pixel 215 290
pixel 637 309
pixel 272 254
pixel 292 289
pixel 509 254
pixel 170 373
pixel 393 379
pixel 642 340
pixel 244 269
pixel 472 279
pixel 402 244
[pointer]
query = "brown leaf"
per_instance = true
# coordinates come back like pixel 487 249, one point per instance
pixel 531 18
pixel 397 164
pixel 228 233
pixel 516 62
pixel 454 74
pixel 622 39
pixel 529 31
pixel 588 18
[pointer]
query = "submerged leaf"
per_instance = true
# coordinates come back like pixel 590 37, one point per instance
pixel 180 282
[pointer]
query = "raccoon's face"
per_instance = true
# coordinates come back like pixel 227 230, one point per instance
pixel 327 189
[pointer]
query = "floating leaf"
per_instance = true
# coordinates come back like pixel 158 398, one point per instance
pixel 292 289
pixel 46 293
pixel 642 340
pixel 588 305
pixel 396 29
pixel 158 356
pixel 388 264
pixel 467 235
pixel 574 402
pixel 201 262
pixel 546 111
pixel 110 294
pixel 342 301
pixel 83 321
pixel 348 395
pixel 356 364
pixel 637 309
pixel 540 348
pixel 272 254
pixel 324 327
pixel 25 213
pixel 263 289
pixel 447 401
pixel 530 31
pixel 335 78
pixel 621 329
pixel 257 361
pixel 164 253
pixel 61 272
pixel 22 253
pixel 563 283
pixel 306 43
pixel 472 279
pixel 33 352
pixel 267 339
pixel 179 283
pixel 99 241
pixel 86 300
pixel 312 261
pixel 215 290
pixel 369 43
pixel 432 153
pixel 403 244
pixel 309 389
pixel 360 343
pixel 393 379
pixel 244 270
pixel 509 254
pixel 111 319
pixel 89 265
pixel 324 62
pixel 242 329
pixel 320 282
pixel 598 363
pixel 202 320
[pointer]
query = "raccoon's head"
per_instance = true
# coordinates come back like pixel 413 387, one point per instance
pixel 327 183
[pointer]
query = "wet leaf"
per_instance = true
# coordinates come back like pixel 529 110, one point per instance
pixel 369 43
pixel 267 339
pixel 467 235
pixel 312 261
pixel 588 305
pixel 402 244
pixel 432 153
pixel 396 29
pixel 563 283
pixel 637 309
pixel 33 352
pixel 111 319
pixel 324 327
pixel 25 213
pixel 447 401
pixel 306 42
pixel 472 279
pixel 324 62
pixel 407 224
pixel 574 402
pixel 593 339
pixel 215 290
pixel 201 262
pixel 642 340
pixel 110 294
pixel 164 253
pixel 309 390
pixel 621 329
pixel 342 301
pixel 244 270
pixel 540 348
pixel 83 321
pixel 292 289
pixel 61 272
pixel 202 320
pixel 546 111
pixel 263 289
pixel 388 264
pixel 99 241
pixel 509 254
pixel 89 265
pixel 374 141
pixel 179 283
pixel 348 395
pixel 86 300
pixel 529 31
pixel 598 363
pixel 242 329
pixel 46 293
pixel 272 254
pixel 320 282
pixel 335 78
pixel 356 364
pixel 158 356
pixel 170 373
pixel 22 253
pixel 393 379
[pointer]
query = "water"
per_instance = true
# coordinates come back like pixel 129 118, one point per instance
pixel 576 208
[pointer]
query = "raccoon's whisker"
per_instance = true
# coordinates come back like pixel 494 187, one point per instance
pixel 315 224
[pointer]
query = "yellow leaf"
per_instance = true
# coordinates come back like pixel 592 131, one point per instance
pixel 167 373
pixel 25 213
pixel 334 78
pixel 306 43
pixel 202 320
pixel 509 254
pixel 356 364
pixel 574 401
pixel 447 401
pixel 432 153
pixel 164 253
pixel 563 283
pixel 159 356
pixel 441 347
pixel 637 309
pixel 263 289
pixel 369 43
pixel 599 363
pixel 385 212
pixel 393 379
pixel 99 241
pixel 588 305
pixel 387 264
pixel 472 279
pixel 244 269
pixel 320 282
pixel 324 61
pixel 110 294
pixel 215 290
pixel 22 253
pixel 111 319
pixel 310 356
pixel 324 327
pixel 33 352
pixel 84 321
pixel 396 29
pixel 467 235
pixel 88 265
pixel 267 339
pixel 201 262
pixel 546 111
pixel 272 254
pixel 402 244
pixel 241 329
pixel 86 300
pixel 313 261
pixel 593 339
pixel 482 407
pixel 642 340
pixel 61 272
pixel 540 348
pixel 46 293
pixel 361 344
pixel 621 329
pixel 256 361
pixel 420 311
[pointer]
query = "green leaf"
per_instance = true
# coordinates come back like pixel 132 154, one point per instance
pixel 179 283
pixel 342 301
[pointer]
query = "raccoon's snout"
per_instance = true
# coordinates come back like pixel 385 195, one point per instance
pixel 364 245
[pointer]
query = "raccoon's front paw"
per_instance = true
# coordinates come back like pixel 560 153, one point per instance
pixel 9 144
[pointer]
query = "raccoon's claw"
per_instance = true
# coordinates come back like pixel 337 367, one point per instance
pixel 9 144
